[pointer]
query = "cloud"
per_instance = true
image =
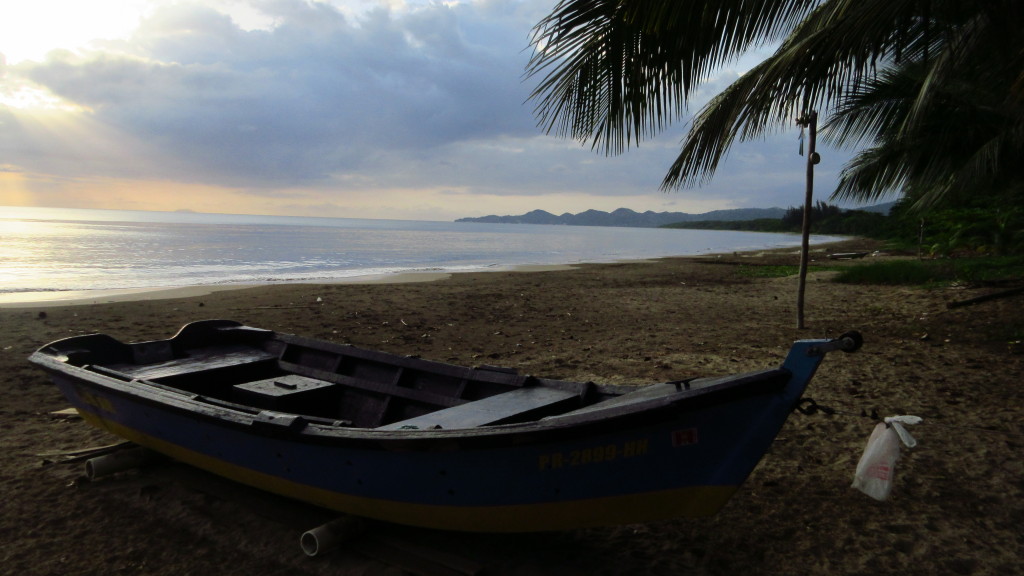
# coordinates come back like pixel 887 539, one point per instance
pixel 316 95
pixel 348 98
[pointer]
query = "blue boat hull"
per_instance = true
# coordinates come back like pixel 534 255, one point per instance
pixel 675 453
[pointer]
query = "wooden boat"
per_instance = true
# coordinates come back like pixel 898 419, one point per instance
pixel 429 444
pixel 847 255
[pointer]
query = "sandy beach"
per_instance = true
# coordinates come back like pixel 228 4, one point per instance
pixel 956 508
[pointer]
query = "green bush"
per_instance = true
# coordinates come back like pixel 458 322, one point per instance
pixel 899 272
pixel 940 271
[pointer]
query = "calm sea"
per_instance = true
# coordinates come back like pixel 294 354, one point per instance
pixel 47 250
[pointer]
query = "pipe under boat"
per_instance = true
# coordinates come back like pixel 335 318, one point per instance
pixel 331 535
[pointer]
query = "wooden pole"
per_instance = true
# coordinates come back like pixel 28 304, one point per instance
pixel 805 244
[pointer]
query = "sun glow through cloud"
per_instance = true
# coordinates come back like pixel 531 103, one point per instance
pixel 32 99
pixel 31 29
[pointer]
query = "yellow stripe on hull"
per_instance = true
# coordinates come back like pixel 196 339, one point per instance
pixel 626 509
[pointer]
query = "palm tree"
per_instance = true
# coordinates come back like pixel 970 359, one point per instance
pixel 963 139
pixel 615 72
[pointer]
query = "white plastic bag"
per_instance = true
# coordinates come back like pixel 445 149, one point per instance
pixel 877 467
pixel 897 423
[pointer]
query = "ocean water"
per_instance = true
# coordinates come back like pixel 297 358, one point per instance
pixel 49 250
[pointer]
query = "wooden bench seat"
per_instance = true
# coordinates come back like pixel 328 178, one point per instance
pixel 507 406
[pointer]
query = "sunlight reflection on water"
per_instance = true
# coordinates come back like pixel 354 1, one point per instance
pixel 43 250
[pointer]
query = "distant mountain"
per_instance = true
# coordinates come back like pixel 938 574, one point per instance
pixel 627 217
pixel 880 208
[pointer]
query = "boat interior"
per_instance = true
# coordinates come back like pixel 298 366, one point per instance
pixel 344 385
pixel 257 370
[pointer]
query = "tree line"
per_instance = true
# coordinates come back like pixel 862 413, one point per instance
pixel 970 228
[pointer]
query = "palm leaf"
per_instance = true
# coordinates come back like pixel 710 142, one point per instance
pixel 934 85
pixel 793 80
pixel 616 72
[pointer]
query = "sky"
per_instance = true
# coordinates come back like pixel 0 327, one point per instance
pixel 404 109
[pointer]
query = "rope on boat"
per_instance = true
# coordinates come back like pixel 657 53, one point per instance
pixel 808 406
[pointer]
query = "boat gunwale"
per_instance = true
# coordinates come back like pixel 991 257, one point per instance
pixel 321 430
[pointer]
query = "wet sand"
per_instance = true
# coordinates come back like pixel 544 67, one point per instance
pixel 956 506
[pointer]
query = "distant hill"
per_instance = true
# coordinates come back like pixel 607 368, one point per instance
pixel 879 208
pixel 627 217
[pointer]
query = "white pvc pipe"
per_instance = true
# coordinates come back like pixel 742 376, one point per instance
pixel 117 462
pixel 331 535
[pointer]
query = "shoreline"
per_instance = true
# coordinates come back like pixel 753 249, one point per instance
pixel 378 256
pixel 19 300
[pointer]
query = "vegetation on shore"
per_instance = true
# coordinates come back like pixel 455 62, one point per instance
pixel 975 270
pixel 970 228
pixel 825 219
pixel 970 244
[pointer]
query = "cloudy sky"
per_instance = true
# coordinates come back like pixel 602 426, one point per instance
pixel 402 109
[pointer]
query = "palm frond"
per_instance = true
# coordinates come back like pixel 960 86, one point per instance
pixel 872 175
pixel 957 146
pixel 615 72
pixel 873 108
pixel 934 85
pixel 793 80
